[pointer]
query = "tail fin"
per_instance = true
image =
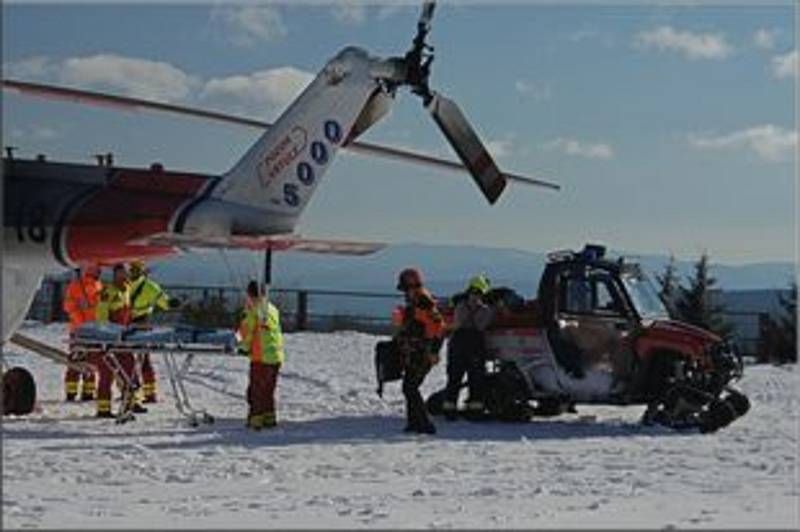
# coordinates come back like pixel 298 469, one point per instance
pixel 282 169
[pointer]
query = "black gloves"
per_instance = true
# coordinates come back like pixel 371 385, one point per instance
pixel 174 302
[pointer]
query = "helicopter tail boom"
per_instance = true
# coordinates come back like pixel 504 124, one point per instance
pixel 280 172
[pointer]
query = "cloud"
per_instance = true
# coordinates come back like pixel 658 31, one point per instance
pixel 390 10
pixel 36 67
pixel 785 66
pixel 350 12
pixel 582 35
pixel 692 45
pixel 44 132
pixel 580 149
pixel 140 78
pixel 771 143
pixel 265 93
pixel 579 36
pixel 251 24
pixel 536 90
pixel 765 39
pixel 132 76
pixel 35 132
pixel 500 147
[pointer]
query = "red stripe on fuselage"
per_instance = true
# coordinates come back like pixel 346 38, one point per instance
pixel 133 205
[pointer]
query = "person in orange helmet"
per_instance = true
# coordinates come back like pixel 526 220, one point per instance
pixel 80 303
pixel 419 339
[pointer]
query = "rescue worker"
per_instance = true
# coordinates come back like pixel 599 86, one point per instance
pixel 146 296
pixel 261 339
pixel 115 307
pixel 419 340
pixel 80 304
pixel 467 348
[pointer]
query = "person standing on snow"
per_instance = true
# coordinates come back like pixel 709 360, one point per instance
pixel 146 296
pixel 115 307
pixel 419 340
pixel 262 341
pixel 80 304
pixel 467 348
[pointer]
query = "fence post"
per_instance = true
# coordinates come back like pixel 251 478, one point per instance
pixel 56 301
pixel 761 342
pixel 302 310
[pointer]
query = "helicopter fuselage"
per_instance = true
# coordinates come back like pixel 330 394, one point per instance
pixel 61 215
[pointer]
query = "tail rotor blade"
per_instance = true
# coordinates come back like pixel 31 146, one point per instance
pixel 468 146
pixel 427 13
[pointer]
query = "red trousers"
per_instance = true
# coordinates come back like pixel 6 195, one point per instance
pixel 261 392
pixel 148 376
pixel 72 381
pixel 106 380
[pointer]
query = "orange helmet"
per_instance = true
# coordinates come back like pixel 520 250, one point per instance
pixel 409 278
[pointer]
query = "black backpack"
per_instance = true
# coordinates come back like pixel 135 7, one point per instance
pixel 508 296
pixel 388 363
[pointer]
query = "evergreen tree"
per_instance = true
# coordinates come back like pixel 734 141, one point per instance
pixel 695 303
pixel 209 312
pixel 669 284
pixel 779 336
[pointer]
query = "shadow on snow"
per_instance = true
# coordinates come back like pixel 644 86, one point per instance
pixel 341 430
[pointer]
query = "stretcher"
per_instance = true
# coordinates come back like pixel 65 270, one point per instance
pixel 112 339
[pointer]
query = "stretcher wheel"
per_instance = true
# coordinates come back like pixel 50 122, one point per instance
pixel 19 392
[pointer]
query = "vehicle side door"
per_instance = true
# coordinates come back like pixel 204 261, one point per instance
pixel 592 317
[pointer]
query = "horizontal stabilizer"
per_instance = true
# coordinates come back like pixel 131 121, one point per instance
pixel 261 242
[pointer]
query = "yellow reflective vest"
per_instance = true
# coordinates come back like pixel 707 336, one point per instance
pixel 115 304
pixel 260 332
pixel 146 295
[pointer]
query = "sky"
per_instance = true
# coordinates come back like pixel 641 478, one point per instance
pixel 671 128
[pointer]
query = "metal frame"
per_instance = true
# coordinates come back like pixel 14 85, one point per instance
pixel 175 372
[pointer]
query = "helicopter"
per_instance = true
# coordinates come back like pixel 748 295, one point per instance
pixel 61 215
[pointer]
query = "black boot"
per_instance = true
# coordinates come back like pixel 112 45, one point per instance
pixel 427 428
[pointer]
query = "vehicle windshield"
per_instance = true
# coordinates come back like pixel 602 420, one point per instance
pixel 644 297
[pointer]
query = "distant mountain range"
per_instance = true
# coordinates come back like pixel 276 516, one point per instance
pixel 446 269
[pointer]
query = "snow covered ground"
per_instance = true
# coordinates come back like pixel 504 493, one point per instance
pixel 340 460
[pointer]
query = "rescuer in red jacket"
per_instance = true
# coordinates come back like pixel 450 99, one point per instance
pixel 80 304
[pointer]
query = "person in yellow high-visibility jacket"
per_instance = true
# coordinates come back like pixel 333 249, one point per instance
pixel 261 340
pixel 146 297
pixel 115 307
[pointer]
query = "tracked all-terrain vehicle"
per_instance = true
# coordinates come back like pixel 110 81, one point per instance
pixel 599 333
